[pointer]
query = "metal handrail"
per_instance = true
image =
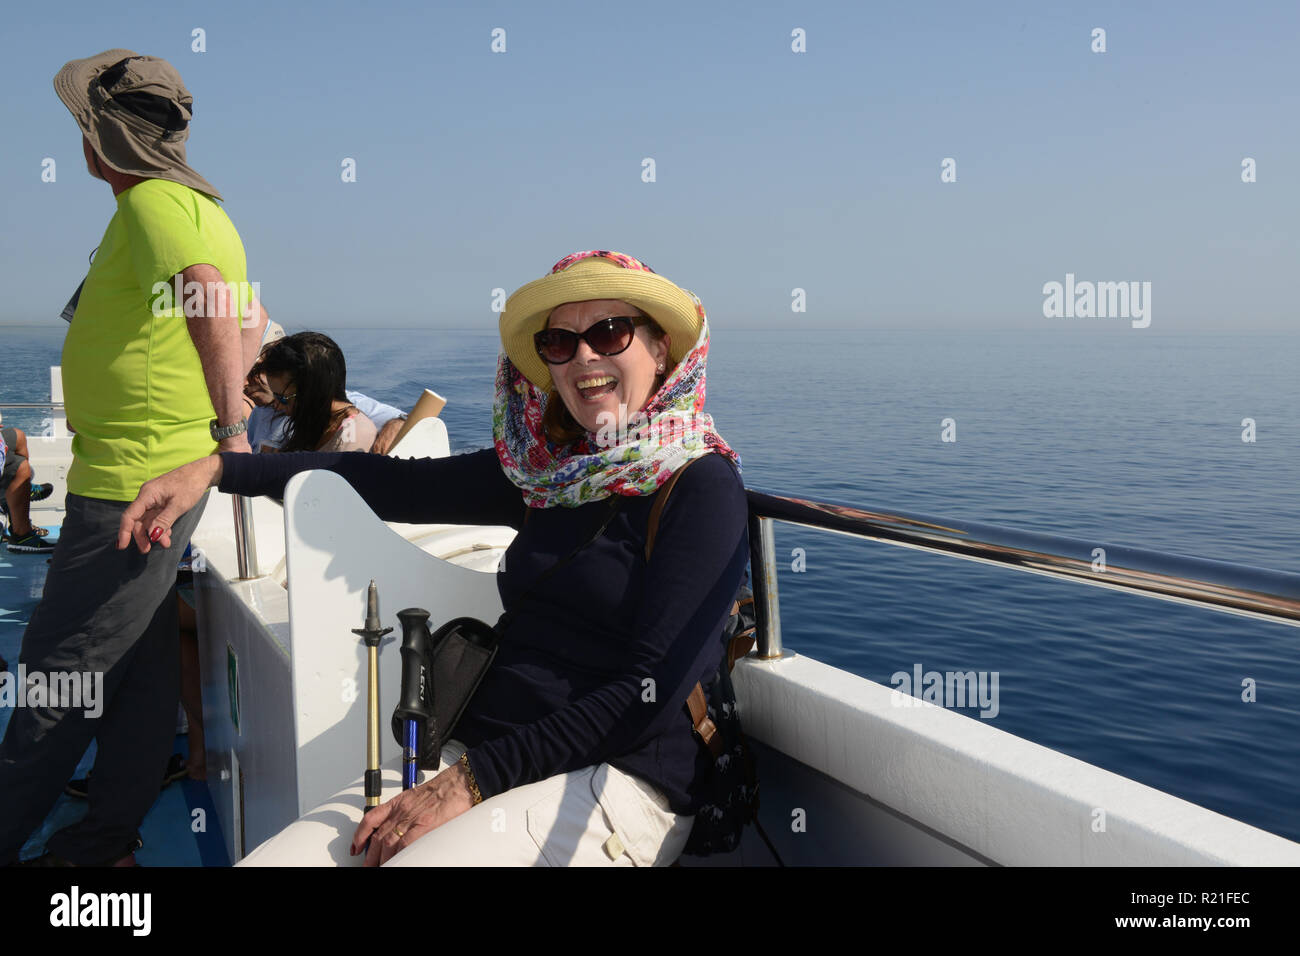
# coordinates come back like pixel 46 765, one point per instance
pixel 31 405
pixel 245 538
pixel 767 607
pixel 1231 588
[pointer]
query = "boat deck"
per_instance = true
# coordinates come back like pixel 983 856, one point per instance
pixel 168 831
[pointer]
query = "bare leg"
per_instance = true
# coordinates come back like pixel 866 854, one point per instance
pixel 191 690
pixel 19 497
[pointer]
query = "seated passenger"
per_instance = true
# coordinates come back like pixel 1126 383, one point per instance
pixel 305 375
pixel 267 422
pixel 562 744
pixel 17 491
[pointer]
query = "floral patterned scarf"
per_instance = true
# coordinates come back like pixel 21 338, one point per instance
pixel 632 457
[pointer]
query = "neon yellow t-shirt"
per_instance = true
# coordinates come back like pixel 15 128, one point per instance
pixel 132 380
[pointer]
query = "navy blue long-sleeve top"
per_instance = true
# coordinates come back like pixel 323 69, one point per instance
pixel 595 665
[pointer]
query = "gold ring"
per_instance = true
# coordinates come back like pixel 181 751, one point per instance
pixel 400 832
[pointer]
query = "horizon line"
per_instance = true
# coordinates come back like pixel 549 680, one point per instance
pixel 1057 325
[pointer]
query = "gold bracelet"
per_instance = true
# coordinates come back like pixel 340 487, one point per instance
pixel 473 784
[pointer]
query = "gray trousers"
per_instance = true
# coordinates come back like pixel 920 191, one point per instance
pixel 112 615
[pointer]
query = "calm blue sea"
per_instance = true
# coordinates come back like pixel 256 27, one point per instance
pixel 1130 438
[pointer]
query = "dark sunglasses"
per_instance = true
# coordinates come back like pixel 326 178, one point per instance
pixel 607 337
pixel 284 399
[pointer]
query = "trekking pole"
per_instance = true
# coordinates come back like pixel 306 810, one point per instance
pixel 414 711
pixel 372 634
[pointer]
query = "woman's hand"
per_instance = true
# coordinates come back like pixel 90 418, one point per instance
pixel 163 500
pixel 395 825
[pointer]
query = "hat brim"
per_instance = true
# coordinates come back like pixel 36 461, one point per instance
pixel 674 309
pixel 72 84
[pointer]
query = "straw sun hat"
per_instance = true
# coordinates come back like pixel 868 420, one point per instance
pixel 596 274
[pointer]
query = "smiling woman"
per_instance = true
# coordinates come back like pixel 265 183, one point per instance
pixel 561 735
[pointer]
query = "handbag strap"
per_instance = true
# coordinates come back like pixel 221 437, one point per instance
pixel 656 509
pixel 706 732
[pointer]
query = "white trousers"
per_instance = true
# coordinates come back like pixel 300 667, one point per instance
pixel 596 816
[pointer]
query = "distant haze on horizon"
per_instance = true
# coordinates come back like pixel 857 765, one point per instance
pixel 773 170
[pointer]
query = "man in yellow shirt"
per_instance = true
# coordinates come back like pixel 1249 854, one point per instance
pixel 153 367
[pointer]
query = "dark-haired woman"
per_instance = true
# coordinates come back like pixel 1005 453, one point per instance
pixel 307 376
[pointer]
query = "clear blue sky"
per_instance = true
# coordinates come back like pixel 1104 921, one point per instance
pixel 775 170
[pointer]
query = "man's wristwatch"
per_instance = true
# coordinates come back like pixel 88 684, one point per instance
pixel 227 431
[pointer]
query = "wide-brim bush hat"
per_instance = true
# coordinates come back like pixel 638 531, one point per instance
pixel 596 274
pixel 136 112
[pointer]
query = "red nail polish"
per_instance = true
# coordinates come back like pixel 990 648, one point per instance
pixel 155 534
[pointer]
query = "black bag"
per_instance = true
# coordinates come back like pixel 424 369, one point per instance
pixel 440 672
pixel 729 794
